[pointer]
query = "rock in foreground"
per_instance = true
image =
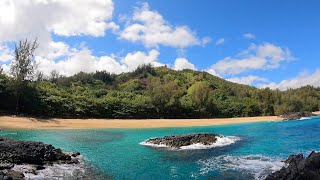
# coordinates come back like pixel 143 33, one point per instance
pixel 191 141
pixel 299 168
pixel 16 152
pixel 297 115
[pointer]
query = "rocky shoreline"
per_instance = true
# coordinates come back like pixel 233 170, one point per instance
pixel 297 115
pixel 299 168
pixel 36 155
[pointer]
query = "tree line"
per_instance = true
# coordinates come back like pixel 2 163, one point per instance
pixel 147 92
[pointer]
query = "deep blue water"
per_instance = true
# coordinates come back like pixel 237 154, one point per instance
pixel 117 152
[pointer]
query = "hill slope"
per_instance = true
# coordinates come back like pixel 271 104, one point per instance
pixel 152 93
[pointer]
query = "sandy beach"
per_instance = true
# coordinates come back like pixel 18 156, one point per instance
pixel 11 122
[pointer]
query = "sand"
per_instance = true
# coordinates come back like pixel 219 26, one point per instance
pixel 317 113
pixel 12 122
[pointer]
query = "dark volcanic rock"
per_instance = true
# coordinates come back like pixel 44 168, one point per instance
pixel 15 152
pixel 18 152
pixel 176 141
pixel 299 168
pixel 297 115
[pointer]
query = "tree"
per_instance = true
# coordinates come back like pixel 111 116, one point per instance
pixel 54 76
pixel 164 96
pixel 23 67
pixel 1 70
pixel 199 94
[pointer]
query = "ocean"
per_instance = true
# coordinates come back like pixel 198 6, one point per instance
pixel 253 150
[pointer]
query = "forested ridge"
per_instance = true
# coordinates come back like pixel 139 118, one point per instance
pixel 148 92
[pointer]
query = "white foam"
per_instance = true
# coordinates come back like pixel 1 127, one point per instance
pixel 145 143
pixel 257 165
pixel 4 134
pixel 54 172
pixel 221 141
pixel 305 118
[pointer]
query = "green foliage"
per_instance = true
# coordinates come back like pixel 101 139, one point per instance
pixel 151 93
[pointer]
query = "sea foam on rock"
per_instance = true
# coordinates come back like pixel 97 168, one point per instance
pixel 297 115
pixel 299 168
pixel 191 141
pixel 36 154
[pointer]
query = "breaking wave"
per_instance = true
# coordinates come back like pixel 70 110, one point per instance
pixel 257 166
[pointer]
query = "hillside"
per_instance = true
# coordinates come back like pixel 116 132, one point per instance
pixel 151 92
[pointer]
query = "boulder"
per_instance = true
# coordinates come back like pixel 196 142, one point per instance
pixel 19 152
pixel 299 168
pixel 15 152
pixel 297 115
pixel 177 141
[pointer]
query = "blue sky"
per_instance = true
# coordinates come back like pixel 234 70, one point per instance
pixel 262 43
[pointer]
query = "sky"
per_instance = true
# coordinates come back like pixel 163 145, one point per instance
pixel 260 43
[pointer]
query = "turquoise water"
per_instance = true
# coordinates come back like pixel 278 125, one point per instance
pixel 117 152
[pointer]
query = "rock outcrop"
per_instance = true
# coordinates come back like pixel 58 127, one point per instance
pixel 297 115
pixel 299 168
pixel 16 152
pixel 177 141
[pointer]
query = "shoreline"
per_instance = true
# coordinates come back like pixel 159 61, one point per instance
pixel 12 122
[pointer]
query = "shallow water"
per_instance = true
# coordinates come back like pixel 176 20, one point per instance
pixel 117 152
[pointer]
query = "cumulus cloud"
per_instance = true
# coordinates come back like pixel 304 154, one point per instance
pixel 256 57
pixel 183 63
pixel 79 60
pixel 68 61
pixel 150 28
pixel 213 72
pixel 303 79
pixel 41 18
pixel 248 80
pixel 133 60
pixel 248 36
pixel 5 53
pixel 220 41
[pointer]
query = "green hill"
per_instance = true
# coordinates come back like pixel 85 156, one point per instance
pixel 151 93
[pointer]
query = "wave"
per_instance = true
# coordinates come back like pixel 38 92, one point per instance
pixel 4 134
pixel 305 118
pixel 258 166
pixel 221 141
pixel 55 171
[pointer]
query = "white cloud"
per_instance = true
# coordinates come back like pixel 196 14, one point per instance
pixel 256 57
pixel 182 63
pixel 6 68
pixel 5 53
pixel 68 61
pixel 213 72
pixel 248 80
pixel 248 36
pixel 133 60
pixel 79 60
pixel 21 19
pixel 299 81
pixel 220 41
pixel 150 28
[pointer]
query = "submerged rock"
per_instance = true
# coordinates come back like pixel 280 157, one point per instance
pixel 16 152
pixel 297 115
pixel 299 168
pixel 177 141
